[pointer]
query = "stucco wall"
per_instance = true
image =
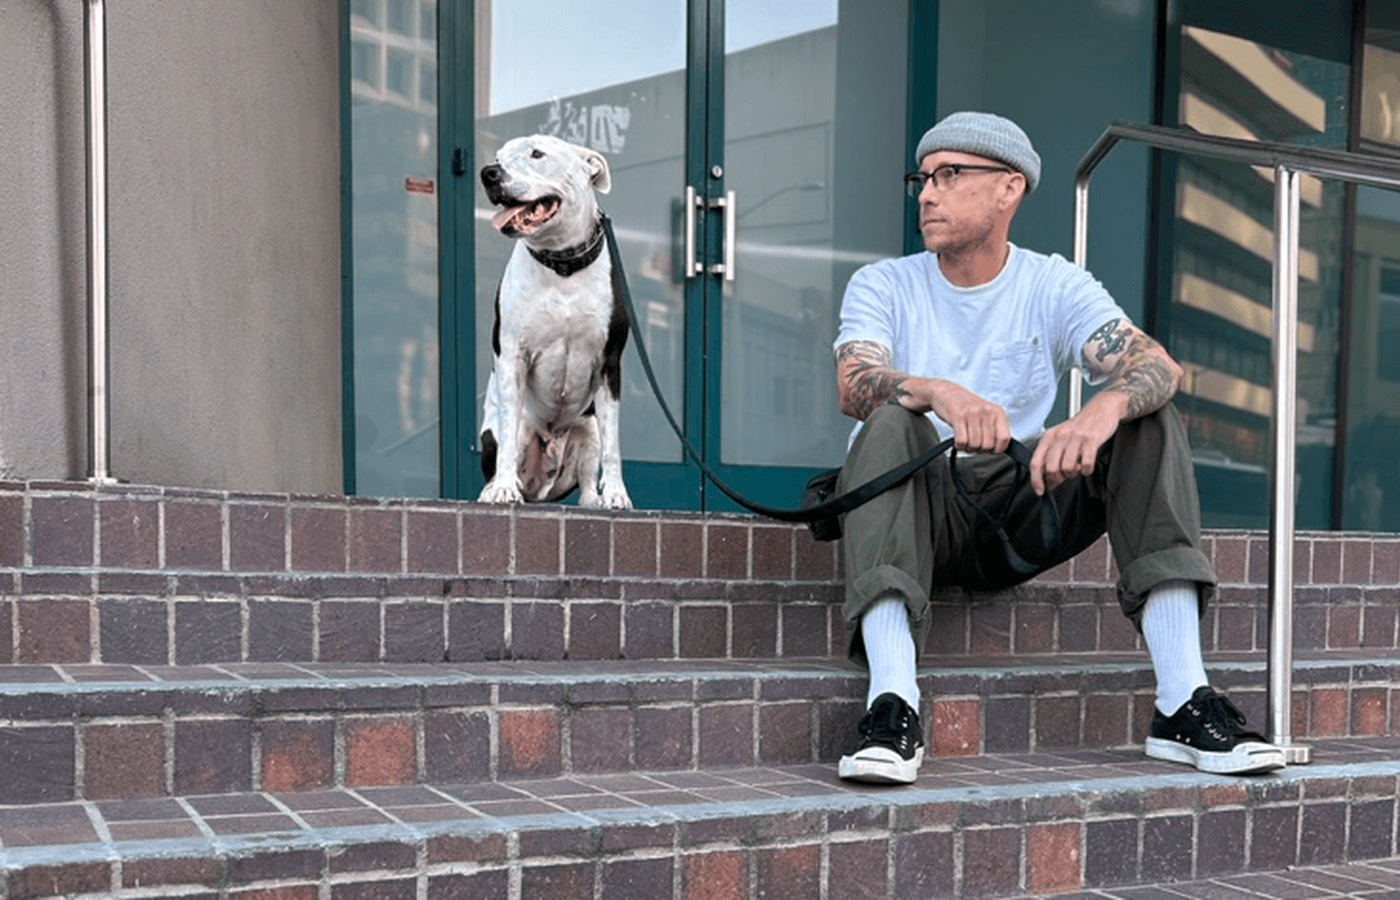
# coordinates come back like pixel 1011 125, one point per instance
pixel 224 242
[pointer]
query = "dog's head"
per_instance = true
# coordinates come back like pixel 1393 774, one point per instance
pixel 545 187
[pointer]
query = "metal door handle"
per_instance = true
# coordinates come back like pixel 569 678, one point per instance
pixel 731 219
pixel 688 262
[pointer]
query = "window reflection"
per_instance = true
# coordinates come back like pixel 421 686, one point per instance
pixel 1217 319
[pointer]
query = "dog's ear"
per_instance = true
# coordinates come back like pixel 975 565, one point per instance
pixel 598 174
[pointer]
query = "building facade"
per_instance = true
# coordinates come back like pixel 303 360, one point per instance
pixel 302 266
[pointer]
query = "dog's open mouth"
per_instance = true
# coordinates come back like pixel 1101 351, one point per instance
pixel 525 218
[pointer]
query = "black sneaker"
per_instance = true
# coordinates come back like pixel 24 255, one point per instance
pixel 892 745
pixel 1208 732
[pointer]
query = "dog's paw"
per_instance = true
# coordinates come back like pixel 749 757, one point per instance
pixel 496 492
pixel 614 498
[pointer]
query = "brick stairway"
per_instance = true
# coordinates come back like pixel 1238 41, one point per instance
pixel 260 696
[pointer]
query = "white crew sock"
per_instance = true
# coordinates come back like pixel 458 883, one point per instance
pixel 889 649
pixel 1171 626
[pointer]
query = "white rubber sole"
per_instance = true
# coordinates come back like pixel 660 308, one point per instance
pixel 1246 759
pixel 880 765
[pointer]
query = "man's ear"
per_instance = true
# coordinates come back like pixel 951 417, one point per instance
pixel 1014 191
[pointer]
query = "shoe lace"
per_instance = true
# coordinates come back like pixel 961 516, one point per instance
pixel 1220 718
pixel 889 724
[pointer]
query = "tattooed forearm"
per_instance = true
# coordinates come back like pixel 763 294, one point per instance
pixel 1130 362
pixel 865 378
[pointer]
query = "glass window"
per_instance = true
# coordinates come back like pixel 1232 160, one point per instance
pixel 1215 300
pixel 393 132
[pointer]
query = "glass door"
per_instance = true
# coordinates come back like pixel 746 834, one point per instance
pixel 775 132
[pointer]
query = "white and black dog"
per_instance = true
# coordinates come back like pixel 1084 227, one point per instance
pixel 551 416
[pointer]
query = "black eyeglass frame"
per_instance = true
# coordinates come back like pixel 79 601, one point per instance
pixel 914 181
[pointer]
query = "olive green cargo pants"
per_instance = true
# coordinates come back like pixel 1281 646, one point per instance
pixel 920 534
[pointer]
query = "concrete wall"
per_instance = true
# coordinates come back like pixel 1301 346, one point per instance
pixel 224 246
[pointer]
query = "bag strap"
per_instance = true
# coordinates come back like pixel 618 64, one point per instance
pixel 856 496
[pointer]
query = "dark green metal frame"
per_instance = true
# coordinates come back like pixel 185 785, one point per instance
pixel 669 485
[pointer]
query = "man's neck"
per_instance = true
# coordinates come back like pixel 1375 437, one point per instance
pixel 975 266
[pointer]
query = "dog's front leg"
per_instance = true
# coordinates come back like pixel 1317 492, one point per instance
pixel 504 486
pixel 613 491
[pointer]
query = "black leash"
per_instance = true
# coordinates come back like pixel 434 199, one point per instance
pixel 826 512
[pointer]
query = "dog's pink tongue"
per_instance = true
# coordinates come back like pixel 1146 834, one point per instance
pixel 503 218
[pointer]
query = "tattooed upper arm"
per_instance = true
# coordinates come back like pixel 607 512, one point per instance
pixel 1128 360
pixel 865 377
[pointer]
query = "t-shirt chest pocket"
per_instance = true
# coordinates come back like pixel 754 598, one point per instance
pixel 1021 372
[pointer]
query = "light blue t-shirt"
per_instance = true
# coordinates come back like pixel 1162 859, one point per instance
pixel 1007 341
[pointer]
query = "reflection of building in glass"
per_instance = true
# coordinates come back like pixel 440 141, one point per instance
pixel 393 63
pixel 1219 320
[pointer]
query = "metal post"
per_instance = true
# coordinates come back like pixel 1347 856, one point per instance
pixel 99 424
pixel 1081 259
pixel 1281 506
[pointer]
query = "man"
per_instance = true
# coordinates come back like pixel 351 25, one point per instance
pixel 969 341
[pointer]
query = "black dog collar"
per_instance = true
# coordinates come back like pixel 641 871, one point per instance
pixel 572 259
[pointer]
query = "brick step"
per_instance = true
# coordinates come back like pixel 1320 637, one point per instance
pixel 114 732
pixel 987 827
pixel 130 574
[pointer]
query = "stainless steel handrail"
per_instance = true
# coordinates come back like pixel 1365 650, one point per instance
pixel 99 399
pixel 1287 162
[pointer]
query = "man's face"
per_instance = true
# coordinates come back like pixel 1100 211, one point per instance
pixel 965 212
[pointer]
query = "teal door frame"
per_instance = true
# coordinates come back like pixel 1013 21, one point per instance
pixel 666 485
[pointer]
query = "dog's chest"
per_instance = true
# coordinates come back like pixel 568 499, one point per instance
pixel 558 329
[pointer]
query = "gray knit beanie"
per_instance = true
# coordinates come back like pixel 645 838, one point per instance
pixel 983 134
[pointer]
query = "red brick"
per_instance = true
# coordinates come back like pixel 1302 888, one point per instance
pixel 664 738
pixel 857 871
pixel 213 757
pixel 1091 566
pixel 298 755
pixel 634 548
pixel 727 552
pixel 569 881
pixel 587 546
pixel 1329 712
pixel 59 880
pixel 1385 562
pixel 772 553
pixel 432 542
pixel 485 544
pixel 726 735
pixel 1230 553
pixel 715 876
pixel 991 862
pixel 789 873
pixel 318 539
pixel 380 751
pixel 130 533
pixel 194 536
pixel 955 727
pixel 54 631
pixel 123 761
pixel 11 531
pixel 536 546
pixel 61 531
pixel 601 739
pixel 257 538
pixel 1368 712
pixel 785 733
pixel 375 536
pixel 1356 560
pixel 529 742
pixel 815 560
pixel 681 546
pixel 284 892
pixel 1327 561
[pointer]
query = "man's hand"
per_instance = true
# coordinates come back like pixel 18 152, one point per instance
pixel 1070 449
pixel 866 378
pixel 978 425
pixel 1138 376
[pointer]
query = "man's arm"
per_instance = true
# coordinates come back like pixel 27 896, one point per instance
pixel 1139 377
pixel 866 379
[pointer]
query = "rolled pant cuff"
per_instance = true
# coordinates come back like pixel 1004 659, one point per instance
pixel 1171 564
pixel 879 582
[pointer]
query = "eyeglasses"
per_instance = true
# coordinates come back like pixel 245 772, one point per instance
pixel 944 178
